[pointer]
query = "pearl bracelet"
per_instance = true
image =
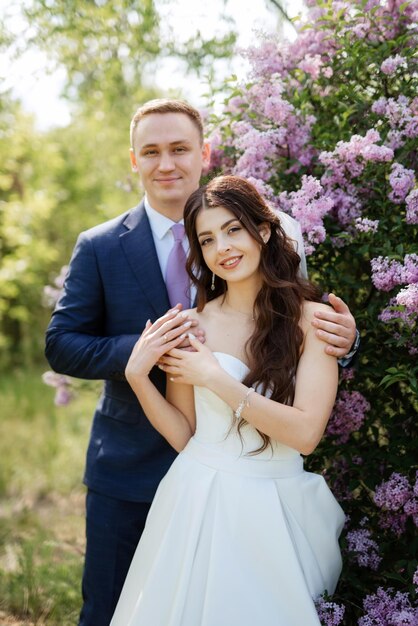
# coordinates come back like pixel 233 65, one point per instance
pixel 242 404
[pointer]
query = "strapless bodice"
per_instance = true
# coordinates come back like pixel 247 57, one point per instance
pixel 215 422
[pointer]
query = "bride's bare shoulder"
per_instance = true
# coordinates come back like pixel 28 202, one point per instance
pixel 210 308
pixel 190 313
pixel 308 311
pixel 194 314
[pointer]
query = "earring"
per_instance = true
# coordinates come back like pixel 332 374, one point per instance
pixel 212 285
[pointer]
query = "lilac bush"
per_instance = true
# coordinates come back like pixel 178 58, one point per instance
pixel 326 128
pixel 348 415
pixel 330 613
pixel 388 608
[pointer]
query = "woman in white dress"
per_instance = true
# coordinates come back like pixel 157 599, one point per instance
pixel 238 533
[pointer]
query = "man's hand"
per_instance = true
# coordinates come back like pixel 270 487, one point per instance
pixel 336 328
pixel 162 336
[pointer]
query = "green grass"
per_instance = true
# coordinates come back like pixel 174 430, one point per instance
pixel 42 450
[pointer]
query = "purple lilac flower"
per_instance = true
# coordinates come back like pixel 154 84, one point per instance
pixel 330 613
pixel 235 105
pixel 216 152
pixel 347 373
pixel 258 148
pixel 277 109
pixel 241 128
pixel 408 297
pixel 55 380
pixel 415 579
pixel 391 64
pixel 361 29
pixel 364 549
pixel 311 64
pixel 62 384
pixel 405 617
pixel 402 181
pixel 411 202
pixel 265 59
pixel 395 139
pixel 410 269
pixel 392 494
pixel 386 273
pixel 411 509
pixel 347 206
pixel 407 322
pixel 349 158
pixel 309 205
pixel 364 225
pixel 394 521
pixel 387 608
pixel 398 111
pixel 348 415
pixel 391 314
pixel 379 106
pixel 63 396
pixel 290 128
pixel 401 115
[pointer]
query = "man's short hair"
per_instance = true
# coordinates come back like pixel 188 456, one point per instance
pixel 166 105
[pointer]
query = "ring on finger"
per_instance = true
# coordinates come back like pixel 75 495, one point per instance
pixel 165 338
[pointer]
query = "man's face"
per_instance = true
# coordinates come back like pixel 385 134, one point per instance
pixel 168 156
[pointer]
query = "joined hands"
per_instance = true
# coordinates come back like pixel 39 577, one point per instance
pixel 158 338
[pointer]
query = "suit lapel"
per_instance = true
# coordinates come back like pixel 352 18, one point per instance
pixel 138 245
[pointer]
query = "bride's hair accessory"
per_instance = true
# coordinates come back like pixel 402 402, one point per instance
pixel 212 285
pixel 244 403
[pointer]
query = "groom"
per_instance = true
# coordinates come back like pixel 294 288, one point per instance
pixel 116 282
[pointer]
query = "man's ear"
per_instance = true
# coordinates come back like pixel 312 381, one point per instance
pixel 265 231
pixel 133 160
pixel 205 155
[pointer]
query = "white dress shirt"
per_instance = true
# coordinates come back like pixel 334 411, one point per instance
pixel 162 235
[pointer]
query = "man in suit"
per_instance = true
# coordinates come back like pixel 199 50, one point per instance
pixel 116 282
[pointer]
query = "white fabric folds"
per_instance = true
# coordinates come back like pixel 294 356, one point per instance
pixel 232 539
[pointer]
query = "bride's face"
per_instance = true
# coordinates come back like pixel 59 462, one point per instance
pixel 227 247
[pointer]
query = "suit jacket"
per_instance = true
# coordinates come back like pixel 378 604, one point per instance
pixel 113 287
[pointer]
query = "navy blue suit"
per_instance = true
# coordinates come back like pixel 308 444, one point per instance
pixel 113 287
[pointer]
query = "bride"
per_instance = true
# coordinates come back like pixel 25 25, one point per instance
pixel 238 533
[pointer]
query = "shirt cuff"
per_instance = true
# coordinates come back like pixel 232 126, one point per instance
pixel 346 360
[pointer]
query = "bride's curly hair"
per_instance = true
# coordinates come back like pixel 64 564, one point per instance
pixel 274 348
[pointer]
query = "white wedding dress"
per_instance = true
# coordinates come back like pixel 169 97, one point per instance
pixel 232 539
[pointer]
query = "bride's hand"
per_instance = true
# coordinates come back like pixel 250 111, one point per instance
pixel 166 333
pixel 191 368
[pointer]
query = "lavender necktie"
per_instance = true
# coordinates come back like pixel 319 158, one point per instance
pixel 177 279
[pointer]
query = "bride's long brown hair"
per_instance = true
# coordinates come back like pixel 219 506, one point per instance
pixel 273 349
